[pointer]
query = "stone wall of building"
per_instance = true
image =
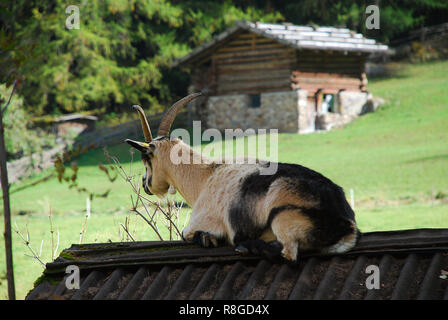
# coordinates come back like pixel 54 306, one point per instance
pixel 307 113
pixel 352 103
pixel 285 111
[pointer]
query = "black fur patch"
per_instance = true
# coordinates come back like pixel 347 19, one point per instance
pixel 146 159
pixel 145 186
pixel 241 219
pixel 277 210
pixel 331 218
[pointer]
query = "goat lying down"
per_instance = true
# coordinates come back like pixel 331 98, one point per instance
pixel 293 210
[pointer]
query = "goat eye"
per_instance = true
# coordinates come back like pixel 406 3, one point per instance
pixel 147 154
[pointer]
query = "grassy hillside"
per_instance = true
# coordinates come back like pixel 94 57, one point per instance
pixel 395 160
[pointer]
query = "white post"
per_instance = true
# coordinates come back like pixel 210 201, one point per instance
pixel 87 207
pixel 352 198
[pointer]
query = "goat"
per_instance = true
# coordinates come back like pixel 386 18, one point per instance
pixel 293 210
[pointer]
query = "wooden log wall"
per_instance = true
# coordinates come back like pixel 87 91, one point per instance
pixel 252 64
pixel 203 79
pixel 329 71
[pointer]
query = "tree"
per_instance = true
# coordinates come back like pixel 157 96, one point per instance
pixel 122 52
pixel 118 55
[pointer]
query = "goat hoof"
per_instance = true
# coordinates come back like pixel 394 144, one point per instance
pixel 242 250
pixel 205 239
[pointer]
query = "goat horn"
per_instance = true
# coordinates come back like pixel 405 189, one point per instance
pixel 170 115
pixel 145 124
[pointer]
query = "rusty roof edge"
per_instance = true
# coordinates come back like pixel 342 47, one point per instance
pixel 59 266
pixel 403 241
pixel 134 245
pixel 409 238
pixel 55 269
pixel 424 235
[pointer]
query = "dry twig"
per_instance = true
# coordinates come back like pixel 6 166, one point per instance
pixel 26 240
pixel 170 214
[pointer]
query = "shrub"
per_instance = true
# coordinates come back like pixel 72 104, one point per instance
pixel 19 139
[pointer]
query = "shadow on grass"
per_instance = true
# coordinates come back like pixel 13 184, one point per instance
pixel 436 157
pixel 390 70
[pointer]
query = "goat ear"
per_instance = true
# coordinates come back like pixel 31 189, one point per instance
pixel 140 146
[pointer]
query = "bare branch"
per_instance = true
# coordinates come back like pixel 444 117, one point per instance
pixel 57 245
pixel 53 251
pixel 170 214
pixel 27 244
pixel 10 96
pixel 125 228
pixel 84 225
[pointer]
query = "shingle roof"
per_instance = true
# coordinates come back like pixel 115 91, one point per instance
pixel 299 37
pixel 410 264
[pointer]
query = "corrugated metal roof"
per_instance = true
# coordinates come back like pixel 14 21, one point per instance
pixel 298 37
pixel 410 266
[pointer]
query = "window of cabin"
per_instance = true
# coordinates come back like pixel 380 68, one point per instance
pixel 328 103
pixel 254 101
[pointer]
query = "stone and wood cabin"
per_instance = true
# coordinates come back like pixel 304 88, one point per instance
pixel 293 78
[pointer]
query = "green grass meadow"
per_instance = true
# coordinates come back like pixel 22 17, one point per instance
pixel 395 160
